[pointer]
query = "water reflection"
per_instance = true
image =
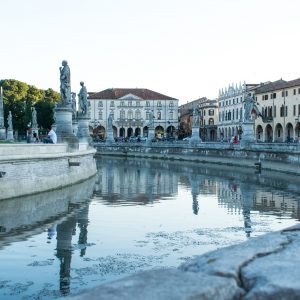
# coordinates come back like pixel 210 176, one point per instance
pixel 135 214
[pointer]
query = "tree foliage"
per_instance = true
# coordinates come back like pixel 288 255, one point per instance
pixel 20 98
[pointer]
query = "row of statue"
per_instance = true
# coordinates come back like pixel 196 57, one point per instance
pixel 69 98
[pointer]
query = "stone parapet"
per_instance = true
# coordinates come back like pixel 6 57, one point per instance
pixel 29 169
pixel 275 157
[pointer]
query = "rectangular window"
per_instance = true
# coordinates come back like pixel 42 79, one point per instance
pixel 274 95
pixel 271 96
pixel 211 112
pixel 263 97
pixel 266 97
pixel 286 93
pixel 282 94
pixel 294 110
pixel 281 111
pixel 298 90
pixel 298 109
pixel 294 91
pixel 286 111
pixel 275 110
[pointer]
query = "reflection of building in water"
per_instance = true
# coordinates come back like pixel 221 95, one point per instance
pixel 237 198
pixel 83 220
pixel 243 197
pixel 135 180
pixel 275 202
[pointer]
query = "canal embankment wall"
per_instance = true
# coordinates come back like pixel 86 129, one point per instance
pixel 33 168
pixel 275 157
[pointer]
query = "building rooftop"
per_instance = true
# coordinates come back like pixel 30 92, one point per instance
pixel 277 85
pixel 117 93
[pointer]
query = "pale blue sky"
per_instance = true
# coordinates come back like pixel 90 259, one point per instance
pixel 182 48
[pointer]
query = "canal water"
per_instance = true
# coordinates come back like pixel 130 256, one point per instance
pixel 134 215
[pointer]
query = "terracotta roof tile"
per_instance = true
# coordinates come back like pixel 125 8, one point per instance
pixel 277 85
pixel 117 93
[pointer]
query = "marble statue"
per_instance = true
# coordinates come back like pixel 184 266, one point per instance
pixel 65 83
pixel 9 121
pixel 151 119
pixel 74 104
pixel 248 106
pixel 195 118
pixel 82 97
pixel 110 121
pixel 34 118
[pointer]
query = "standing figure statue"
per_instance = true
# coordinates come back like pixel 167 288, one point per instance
pixel 65 83
pixel 82 97
pixel 195 118
pixel 151 119
pixel 74 106
pixel 248 106
pixel 34 119
pixel 109 121
pixel 9 121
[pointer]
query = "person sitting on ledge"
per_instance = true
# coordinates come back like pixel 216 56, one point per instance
pixel 51 138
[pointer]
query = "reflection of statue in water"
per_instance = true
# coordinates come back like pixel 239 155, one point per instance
pixel 247 195
pixel 195 118
pixel 74 105
pixel 82 97
pixel 9 121
pixel 34 119
pixel 65 231
pixel 248 105
pixel 65 83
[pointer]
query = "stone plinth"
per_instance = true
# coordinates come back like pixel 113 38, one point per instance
pixel 195 138
pixel 110 136
pixel 248 136
pixel 64 130
pixel 151 135
pixel 83 132
pixel 2 133
pixel 10 135
pixel 75 127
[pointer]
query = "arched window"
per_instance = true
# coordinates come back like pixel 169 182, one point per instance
pixel 112 103
pixel 158 103
pixel 158 115
pixel 171 104
pixel 100 104
pixel 100 115
pixel 170 115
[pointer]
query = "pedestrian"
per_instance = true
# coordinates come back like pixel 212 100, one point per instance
pixel 51 137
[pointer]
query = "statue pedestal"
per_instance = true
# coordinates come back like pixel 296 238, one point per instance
pixel 151 135
pixel 10 135
pixel 34 130
pixel 64 130
pixel 248 133
pixel 75 127
pixel 110 136
pixel 83 132
pixel 2 133
pixel 195 138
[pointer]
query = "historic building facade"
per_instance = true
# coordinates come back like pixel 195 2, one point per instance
pixel 208 118
pixel 280 108
pixel 231 109
pixel 131 110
